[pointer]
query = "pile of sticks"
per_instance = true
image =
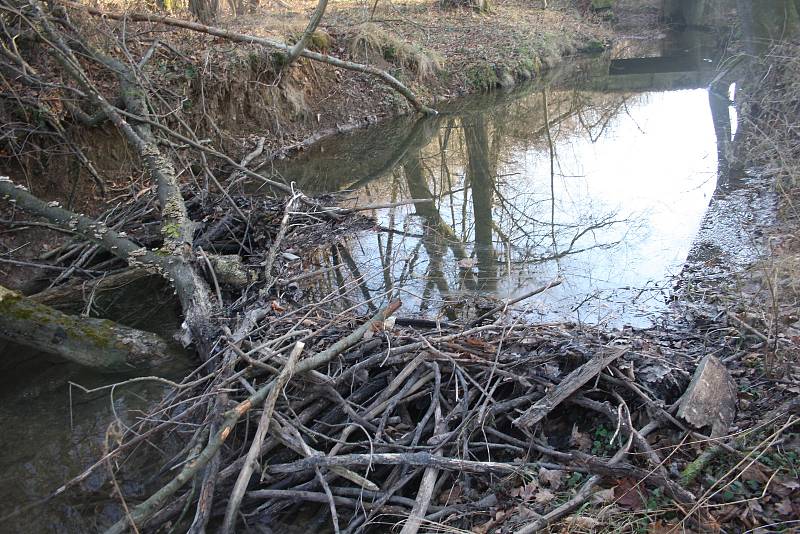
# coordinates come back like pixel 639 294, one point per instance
pixel 358 422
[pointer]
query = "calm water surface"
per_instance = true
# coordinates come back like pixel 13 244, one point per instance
pixel 605 189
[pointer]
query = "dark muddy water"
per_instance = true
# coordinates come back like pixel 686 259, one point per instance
pixel 52 430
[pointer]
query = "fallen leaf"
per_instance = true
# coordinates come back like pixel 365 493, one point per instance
pixel 552 477
pixel 525 512
pixel 276 307
pixel 580 440
pixel 753 472
pixel 451 496
pixel 603 496
pixel 525 492
pixel 544 496
pixel 785 507
pixel 629 494
pixel 580 523
pixel 660 527
pixel 784 487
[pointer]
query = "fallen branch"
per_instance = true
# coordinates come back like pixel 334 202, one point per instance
pixel 420 459
pixel 305 38
pixel 97 343
pixel 191 289
pixel 263 41
pixel 263 426
pixel 155 502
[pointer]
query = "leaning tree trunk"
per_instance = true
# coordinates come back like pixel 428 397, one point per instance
pixel 301 44
pixel 174 260
pixel 96 343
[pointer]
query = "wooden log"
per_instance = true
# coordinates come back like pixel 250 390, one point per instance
pixel 572 383
pixel 96 343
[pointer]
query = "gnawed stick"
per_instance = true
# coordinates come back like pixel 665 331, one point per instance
pixel 273 249
pixel 243 479
pixel 428 482
pixel 573 381
pixel 156 501
pixel 290 437
pixel 420 459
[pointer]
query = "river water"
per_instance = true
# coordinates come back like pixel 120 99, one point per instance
pixel 599 175
pixel 53 429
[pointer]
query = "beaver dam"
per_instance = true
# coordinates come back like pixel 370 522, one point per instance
pixel 513 315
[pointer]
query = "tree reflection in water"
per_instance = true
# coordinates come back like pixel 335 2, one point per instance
pixel 513 190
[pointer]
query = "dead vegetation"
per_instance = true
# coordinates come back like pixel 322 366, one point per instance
pixel 373 43
pixel 358 422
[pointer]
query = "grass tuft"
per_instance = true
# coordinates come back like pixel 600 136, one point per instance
pixel 371 42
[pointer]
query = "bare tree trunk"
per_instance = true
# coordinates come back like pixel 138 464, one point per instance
pixel 204 10
pixel 301 44
pixel 96 343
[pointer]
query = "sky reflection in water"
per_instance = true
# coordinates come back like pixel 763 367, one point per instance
pixel 633 176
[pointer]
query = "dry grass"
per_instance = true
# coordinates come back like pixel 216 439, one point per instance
pixel 369 42
pixel 515 35
pixel 771 119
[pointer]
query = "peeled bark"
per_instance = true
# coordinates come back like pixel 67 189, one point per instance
pixel 97 343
